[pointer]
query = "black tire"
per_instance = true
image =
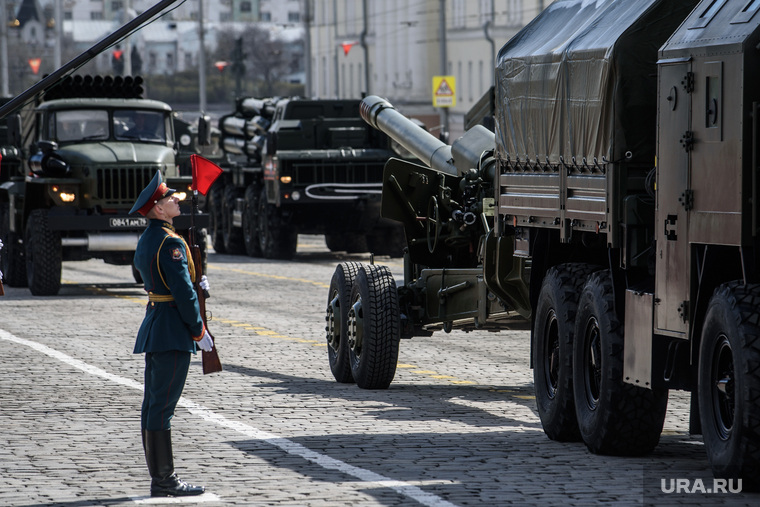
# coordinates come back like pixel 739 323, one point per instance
pixel 12 261
pixel 250 226
pixel 614 417
pixel 729 383
pixel 349 243
pixel 387 241
pixel 553 332
pixel 43 255
pixel 216 213
pixel 338 304
pixel 374 328
pixel 276 239
pixel 231 236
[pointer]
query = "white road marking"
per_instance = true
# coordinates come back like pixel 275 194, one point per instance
pixel 290 447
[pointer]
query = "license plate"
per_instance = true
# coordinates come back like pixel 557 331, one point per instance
pixel 117 223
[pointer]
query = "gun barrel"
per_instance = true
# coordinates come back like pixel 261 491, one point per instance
pixel 380 114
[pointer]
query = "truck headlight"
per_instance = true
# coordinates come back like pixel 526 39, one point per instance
pixel 63 194
pixel 285 179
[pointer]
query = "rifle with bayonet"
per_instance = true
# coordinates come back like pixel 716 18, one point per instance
pixel 210 359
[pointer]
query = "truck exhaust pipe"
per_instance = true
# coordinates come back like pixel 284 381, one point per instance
pixel 104 242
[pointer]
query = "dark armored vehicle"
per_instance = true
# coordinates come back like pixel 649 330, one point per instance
pixel 300 166
pixel 615 206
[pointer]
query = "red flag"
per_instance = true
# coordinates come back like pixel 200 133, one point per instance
pixel 205 172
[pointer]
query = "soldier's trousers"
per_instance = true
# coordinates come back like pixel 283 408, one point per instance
pixel 165 375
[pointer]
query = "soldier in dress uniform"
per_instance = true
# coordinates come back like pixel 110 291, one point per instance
pixel 170 333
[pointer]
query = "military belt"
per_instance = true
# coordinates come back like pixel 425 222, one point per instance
pixel 160 298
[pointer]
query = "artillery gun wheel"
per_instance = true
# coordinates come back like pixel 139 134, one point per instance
pixel 373 327
pixel 231 235
pixel 338 304
pixel 614 417
pixel 250 227
pixel 43 255
pixel 216 212
pixel 12 262
pixel 276 240
pixel 729 383
pixel 553 333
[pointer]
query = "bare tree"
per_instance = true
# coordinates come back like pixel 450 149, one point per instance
pixel 266 58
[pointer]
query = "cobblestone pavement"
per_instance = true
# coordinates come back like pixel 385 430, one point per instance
pixel 458 426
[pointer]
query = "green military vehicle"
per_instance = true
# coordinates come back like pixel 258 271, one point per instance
pixel 300 166
pixel 615 207
pixel 78 160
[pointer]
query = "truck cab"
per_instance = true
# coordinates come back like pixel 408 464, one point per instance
pixel 84 161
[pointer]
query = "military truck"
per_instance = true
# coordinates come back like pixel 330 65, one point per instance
pixel 74 166
pixel 303 166
pixel 615 206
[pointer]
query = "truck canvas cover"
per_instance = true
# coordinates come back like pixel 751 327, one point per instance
pixel 580 81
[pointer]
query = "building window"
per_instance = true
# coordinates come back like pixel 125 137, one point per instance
pixel 170 61
pixel 117 5
pixel 96 15
pixel 459 17
pixel 245 6
pixel 224 17
pixel 514 12
pixel 294 17
pixel 266 16
pixel 68 16
pixel 486 11
pixel 188 61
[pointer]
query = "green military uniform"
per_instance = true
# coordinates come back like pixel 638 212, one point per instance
pixel 172 320
pixel 167 336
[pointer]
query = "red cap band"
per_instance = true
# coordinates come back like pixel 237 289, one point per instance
pixel 159 194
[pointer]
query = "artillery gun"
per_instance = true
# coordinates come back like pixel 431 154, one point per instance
pixel 615 207
pixel 453 274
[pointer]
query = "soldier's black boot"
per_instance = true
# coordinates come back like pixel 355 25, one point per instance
pixel 158 454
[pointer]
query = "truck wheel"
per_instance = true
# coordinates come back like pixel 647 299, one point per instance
pixel 12 262
pixel 553 333
pixel 216 212
pixel 338 299
pixel 43 256
pixel 276 240
pixel 231 235
pixel 729 383
pixel 349 243
pixel 614 417
pixel 373 327
pixel 250 227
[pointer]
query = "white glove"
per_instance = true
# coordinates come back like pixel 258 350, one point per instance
pixel 205 343
pixel 204 283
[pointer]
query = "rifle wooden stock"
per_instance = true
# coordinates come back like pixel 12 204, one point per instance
pixel 210 360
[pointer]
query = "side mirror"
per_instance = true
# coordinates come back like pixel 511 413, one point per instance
pixel 47 146
pixel 204 130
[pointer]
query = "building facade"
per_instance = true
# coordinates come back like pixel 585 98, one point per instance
pixel 395 47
